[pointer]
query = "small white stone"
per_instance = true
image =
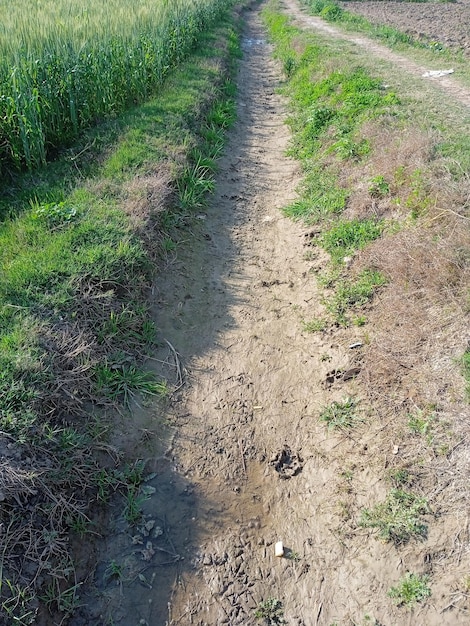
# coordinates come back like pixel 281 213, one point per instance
pixel 279 549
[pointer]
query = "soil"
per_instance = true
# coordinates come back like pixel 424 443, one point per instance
pixel 243 460
pixel 446 23
pixel 448 84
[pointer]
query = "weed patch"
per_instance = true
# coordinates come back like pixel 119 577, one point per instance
pixel 350 294
pixel 345 237
pixel 412 588
pixel 120 382
pixel 314 326
pixel 341 415
pixel 399 518
pixel 271 612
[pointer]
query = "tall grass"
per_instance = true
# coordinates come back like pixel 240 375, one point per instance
pixel 63 65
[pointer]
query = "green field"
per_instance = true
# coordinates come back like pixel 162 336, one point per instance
pixel 64 66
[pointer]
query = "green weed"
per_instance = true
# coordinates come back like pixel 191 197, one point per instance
pixel 379 187
pixel 331 12
pixel 194 184
pixel 131 478
pixel 359 320
pixel 348 294
pixel 421 422
pixel 412 588
pixel 114 571
pixel 321 197
pixel 398 519
pixel 133 501
pixel 121 382
pixel 54 214
pixel 16 603
pixel 105 482
pixel 400 478
pixel 329 277
pixel 314 326
pixel 66 601
pixel 271 612
pixel 340 415
pixel 345 237
pixel 348 148
pixel 133 474
pixel 292 555
pixel 79 524
pixel 168 245
pixel 418 200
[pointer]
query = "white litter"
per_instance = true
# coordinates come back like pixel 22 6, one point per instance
pixel 437 73
pixel 279 549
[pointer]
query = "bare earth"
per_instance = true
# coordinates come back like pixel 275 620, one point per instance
pixel 447 23
pixel 246 462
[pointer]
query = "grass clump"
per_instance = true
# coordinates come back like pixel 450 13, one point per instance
pixel 353 293
pixel 321 197
pixel 341 415
pixel 412 588
pixel 315 325
pixel 120 381
pixel 399 518
pixel 271 612
pixel 346 236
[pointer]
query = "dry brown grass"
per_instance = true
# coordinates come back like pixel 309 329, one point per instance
pixel 419 325
pixel 45 490
pixel 147 196
pixel 420 321
pixel 395 156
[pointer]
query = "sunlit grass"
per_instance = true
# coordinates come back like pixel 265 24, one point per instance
pixel 63 65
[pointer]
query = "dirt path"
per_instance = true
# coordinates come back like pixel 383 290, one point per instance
pixel 448 84
pixel 254 377
pixel 247 462
pixel 255 382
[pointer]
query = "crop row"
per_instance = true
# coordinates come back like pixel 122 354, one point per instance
pixel 63 69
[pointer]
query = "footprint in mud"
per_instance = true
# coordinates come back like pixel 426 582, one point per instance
pixel 287 463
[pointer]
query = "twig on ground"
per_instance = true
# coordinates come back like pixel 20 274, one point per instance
pixel 179 371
